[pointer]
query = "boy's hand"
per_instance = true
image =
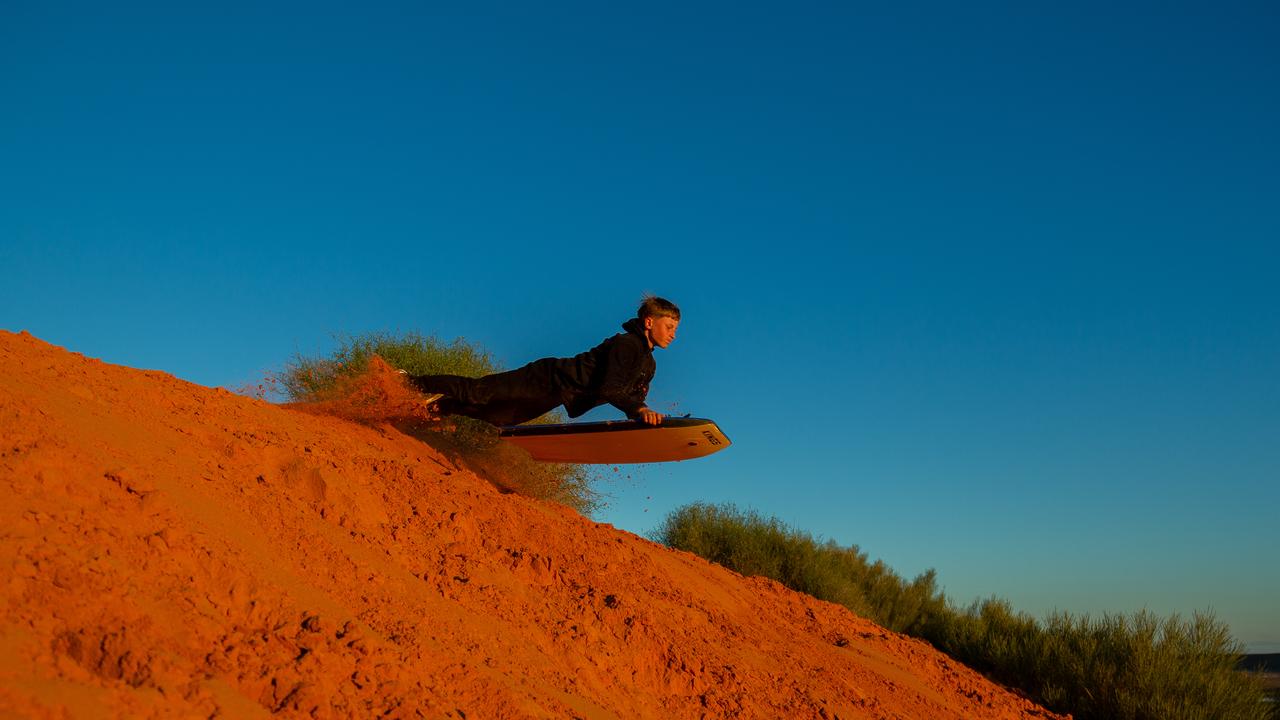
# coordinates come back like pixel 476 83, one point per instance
pixel 650 417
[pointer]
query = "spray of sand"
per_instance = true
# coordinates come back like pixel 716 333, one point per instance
pixel 379 393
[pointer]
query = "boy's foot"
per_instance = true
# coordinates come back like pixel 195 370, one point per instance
pixel 428 401
pixel 410 379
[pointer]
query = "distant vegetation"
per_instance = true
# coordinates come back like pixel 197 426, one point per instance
pixel 1126 667
pixel 306 379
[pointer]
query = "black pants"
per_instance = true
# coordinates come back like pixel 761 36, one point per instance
pixel 507 398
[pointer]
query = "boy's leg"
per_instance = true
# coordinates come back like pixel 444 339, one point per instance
pixel 455 387
pixel 511 412
pixel 506 398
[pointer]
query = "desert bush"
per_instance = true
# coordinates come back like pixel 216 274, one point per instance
pixel 307 379
pixel 1123 667
pixel 1132 667
pixel 749 543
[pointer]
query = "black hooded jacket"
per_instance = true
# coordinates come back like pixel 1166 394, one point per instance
pixel 617 371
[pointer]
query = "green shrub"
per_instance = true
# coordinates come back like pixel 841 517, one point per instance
pixel 475 443
pixel 1132 667
pixel 751 544
pixel 1135 667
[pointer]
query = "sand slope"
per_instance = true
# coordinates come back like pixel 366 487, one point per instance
pixel 171 550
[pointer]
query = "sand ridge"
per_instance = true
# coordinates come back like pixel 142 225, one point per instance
pixel 172 550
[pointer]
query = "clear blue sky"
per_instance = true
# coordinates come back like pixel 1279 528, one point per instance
pixel 987 288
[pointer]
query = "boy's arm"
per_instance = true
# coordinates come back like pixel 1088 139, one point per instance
pixel 621 372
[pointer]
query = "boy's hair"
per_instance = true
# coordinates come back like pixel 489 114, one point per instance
pixel 654 306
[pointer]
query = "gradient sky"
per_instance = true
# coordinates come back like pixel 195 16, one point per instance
pixel 987 288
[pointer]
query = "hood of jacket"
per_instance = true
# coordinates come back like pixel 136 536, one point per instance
pixel 636 326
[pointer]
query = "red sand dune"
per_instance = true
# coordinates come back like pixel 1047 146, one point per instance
pixel 171 550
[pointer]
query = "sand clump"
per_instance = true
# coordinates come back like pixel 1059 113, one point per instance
pixel 172 550
pixel 378 393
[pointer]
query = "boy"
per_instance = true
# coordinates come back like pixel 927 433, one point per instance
pixel 617 371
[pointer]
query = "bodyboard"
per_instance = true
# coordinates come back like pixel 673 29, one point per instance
pixel 618 441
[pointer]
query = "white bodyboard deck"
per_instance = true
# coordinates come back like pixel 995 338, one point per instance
pixel 618 441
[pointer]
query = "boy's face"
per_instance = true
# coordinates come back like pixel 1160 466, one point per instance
pixel 661 330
